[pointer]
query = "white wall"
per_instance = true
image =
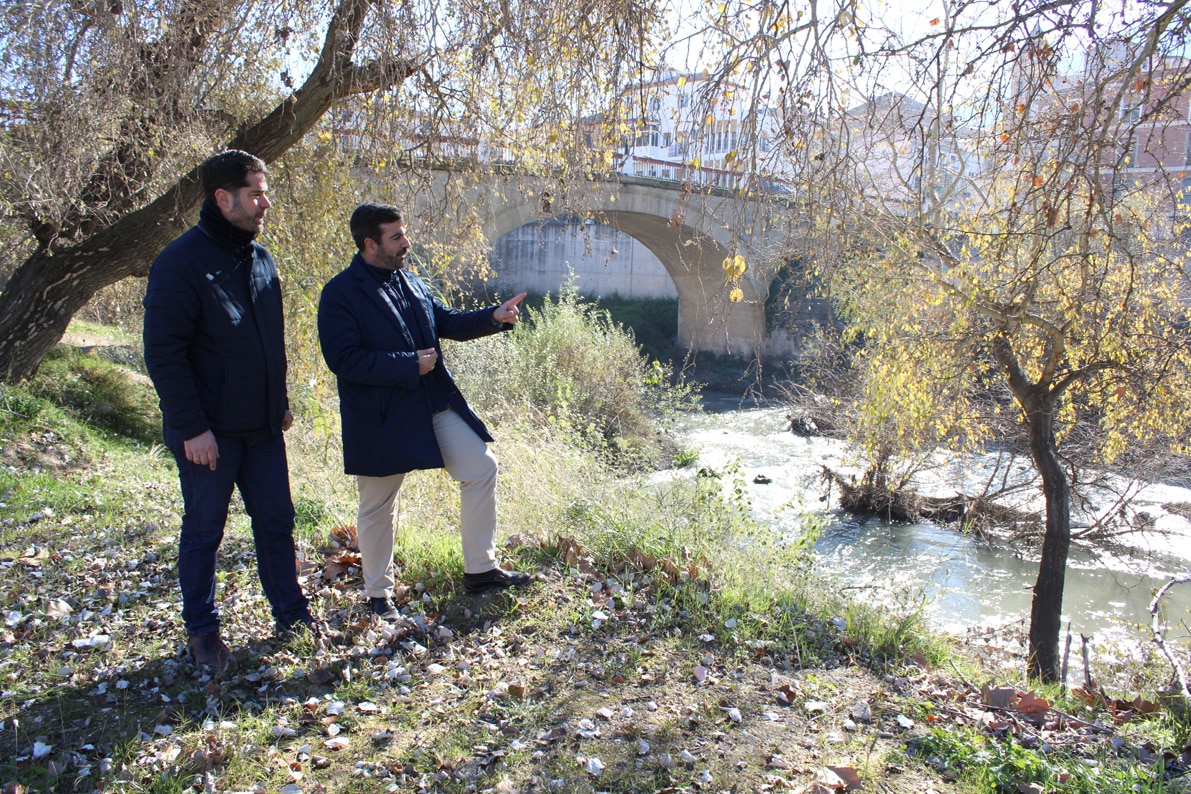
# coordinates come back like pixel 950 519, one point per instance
pixel 538 257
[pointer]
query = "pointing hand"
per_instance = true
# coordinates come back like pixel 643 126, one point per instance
pixel 508 312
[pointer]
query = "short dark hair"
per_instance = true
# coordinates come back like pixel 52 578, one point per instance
pixel 367 219
pixel 229 170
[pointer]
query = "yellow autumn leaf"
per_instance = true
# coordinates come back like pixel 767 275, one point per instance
pixel 736 295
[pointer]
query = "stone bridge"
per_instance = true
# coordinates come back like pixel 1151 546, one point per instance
pixel 691 232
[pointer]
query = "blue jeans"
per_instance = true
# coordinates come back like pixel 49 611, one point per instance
pixel 261 473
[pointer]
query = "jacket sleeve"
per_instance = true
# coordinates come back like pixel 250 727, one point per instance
pixel 342 314
pixel 172 308
pixel 465 326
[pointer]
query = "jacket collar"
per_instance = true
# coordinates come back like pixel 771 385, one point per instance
pixel 366 278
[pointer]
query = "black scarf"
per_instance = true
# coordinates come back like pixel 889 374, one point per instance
pixel 221 230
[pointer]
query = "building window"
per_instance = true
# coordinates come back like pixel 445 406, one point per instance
pixel 648 137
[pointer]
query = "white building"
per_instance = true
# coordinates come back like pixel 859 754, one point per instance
pixel 689 129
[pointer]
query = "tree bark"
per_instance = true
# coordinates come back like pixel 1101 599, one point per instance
pixel 1039 401
pixel 1046 610
pixel 44 293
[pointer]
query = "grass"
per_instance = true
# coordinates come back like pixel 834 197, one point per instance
pixel 659 611
pixel 1004 765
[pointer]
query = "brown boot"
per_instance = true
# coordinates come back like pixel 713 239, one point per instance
pixel 208 649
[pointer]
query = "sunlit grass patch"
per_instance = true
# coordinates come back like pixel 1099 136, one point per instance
pixel 100 393
pixel 993 765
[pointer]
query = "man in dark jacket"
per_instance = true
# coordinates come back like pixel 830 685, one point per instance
pixel 215 349
pixel 379 328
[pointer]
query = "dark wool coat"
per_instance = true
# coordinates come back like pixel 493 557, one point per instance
pixel 386 413
pixel 215 337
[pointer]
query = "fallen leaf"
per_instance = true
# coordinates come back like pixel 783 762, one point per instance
pixel 57 609
pixel 997 697
pixel 786 694
pixel 1033 707
pixel 319 676
pixel 847 776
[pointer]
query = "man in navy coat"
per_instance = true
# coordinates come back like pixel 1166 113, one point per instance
pixel 379 328
pixel 215 349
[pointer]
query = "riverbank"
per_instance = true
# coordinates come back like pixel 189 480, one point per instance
pixel 965 585
pixel 648 655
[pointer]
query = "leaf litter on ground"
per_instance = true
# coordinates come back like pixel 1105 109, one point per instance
pixel 97 690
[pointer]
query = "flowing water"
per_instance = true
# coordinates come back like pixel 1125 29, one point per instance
pixel 959 581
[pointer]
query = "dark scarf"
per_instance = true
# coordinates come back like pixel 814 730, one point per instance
pixel 214 224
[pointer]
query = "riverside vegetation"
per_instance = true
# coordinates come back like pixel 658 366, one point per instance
pixel 668 643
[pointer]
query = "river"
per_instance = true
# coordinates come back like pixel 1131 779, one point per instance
pixel 960 581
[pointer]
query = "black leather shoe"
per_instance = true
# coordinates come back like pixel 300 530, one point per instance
pixel 383 608
pixel 211 651
pixel 497 578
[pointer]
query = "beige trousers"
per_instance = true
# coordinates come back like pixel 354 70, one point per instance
pixel 470 463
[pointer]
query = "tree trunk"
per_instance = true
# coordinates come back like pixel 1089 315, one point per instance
pixel 44 293
pixel 1046 610
pixel 1040 402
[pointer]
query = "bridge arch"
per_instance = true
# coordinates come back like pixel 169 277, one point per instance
pixel 691 234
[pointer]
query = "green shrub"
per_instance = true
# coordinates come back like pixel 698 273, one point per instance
pixel 572 366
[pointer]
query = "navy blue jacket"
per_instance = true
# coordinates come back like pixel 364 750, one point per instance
pixel 215 336
pixel 386 413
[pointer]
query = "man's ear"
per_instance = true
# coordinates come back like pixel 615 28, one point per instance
pixel 223 198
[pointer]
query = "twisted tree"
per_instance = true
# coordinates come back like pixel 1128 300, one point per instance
pixel 108 107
